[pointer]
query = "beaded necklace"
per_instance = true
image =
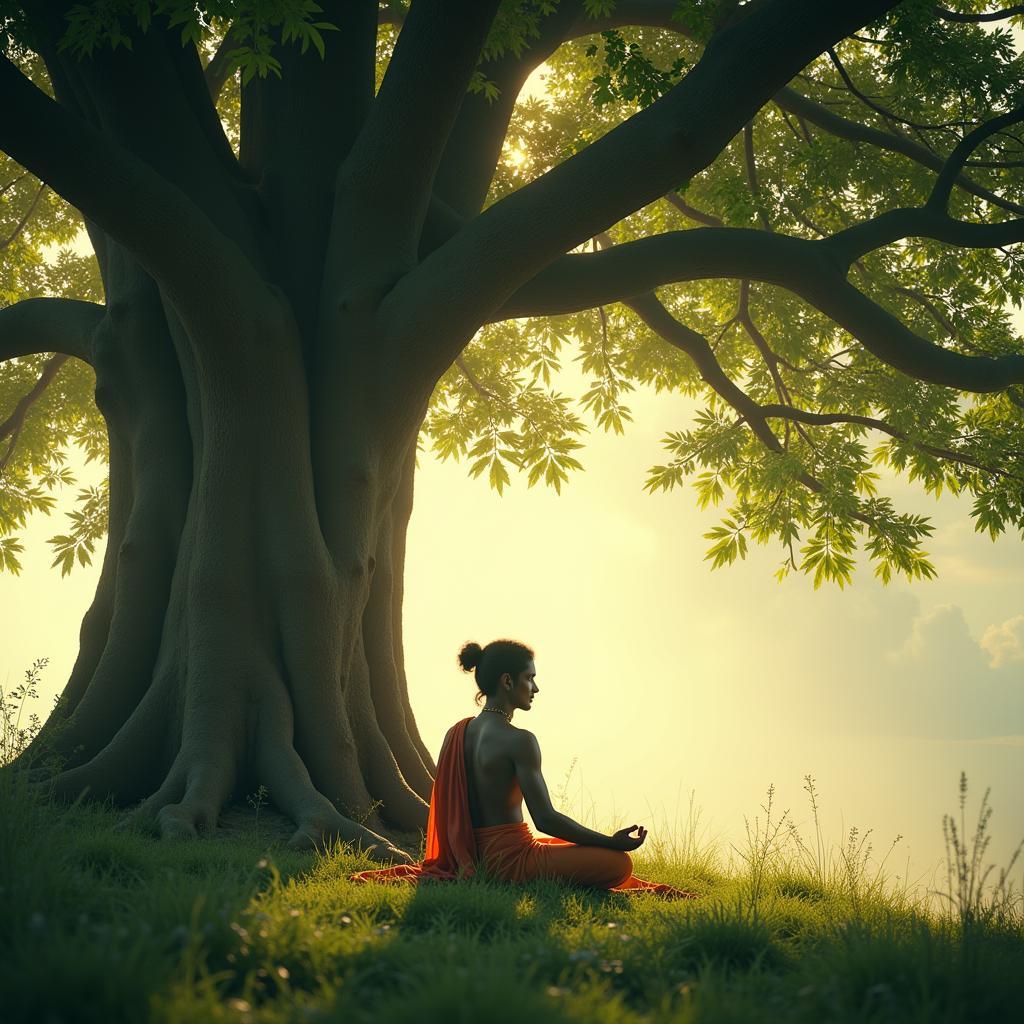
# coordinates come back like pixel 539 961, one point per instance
pixel 504 714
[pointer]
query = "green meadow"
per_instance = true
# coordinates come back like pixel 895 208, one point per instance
pixel 102 921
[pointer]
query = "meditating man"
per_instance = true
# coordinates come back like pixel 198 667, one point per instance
pixel 486 768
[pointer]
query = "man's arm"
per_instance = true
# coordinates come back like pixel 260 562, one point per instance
pixel 526 758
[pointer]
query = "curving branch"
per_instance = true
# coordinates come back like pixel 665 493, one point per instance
pixel 33 326
pixel 813 269
pixel 659 14
pixel 797 103
pixel 1007 12
pixel 788 412
pixel 389 173
pixel 677 136
pixel 11 427
pixel 913 222
pixel 697 216
pixel 753 184
pixel 474 145
pixel 756 416
pixel 170 236
pixel 218 70
pixel 26 217
pixel 878 108
pixel 696 346
pixel 939 198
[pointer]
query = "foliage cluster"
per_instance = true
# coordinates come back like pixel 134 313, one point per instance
pixel 818 494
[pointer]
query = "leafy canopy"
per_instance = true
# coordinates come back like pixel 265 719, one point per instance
pixel 816 492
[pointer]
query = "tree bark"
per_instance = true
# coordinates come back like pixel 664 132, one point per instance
pixel 227 648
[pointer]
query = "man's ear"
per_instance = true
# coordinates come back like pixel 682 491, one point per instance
pixel 504 676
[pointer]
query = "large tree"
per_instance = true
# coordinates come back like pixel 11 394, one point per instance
pixel 325 235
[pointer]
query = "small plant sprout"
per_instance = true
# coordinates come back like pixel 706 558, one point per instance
pixel 763 848
pixel 15 738
pixel 257 801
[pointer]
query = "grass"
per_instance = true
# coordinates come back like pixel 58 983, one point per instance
pixel 101 921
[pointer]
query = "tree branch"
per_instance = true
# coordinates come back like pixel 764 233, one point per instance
pixel 854 242
pixel 299 128
pixel 5 242
pixel 939 198
pixel 1006 12
pixel 696 346
pixel 474 145
pixel 385 184
pixel 169 235
pixel 12 425
pixel 639 161
pixel 218 70
pixel 788 412
pixel 33 326
pixel 877 107
pixel 808 268
pixel 4 189
pixel 752 182
pixel 796 103
pixel 658 13
pixel 697 216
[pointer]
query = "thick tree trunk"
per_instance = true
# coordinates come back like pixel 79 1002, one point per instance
pixel 228 646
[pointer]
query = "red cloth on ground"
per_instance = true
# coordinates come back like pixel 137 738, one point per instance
pixel 509 852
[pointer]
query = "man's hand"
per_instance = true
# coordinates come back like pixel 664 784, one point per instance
pixel 624 840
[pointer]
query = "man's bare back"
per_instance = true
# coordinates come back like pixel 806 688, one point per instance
pixel 494 794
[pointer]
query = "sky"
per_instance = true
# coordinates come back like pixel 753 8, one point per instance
pixel 662 681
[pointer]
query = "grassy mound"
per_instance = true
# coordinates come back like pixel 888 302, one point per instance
pixel 102 922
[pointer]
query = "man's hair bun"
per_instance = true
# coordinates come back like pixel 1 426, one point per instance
pixel 469 656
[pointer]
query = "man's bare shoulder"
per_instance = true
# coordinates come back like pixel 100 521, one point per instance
pixel 524 743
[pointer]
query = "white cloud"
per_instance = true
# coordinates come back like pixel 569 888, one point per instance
pixel 940 637
pixel 1004 642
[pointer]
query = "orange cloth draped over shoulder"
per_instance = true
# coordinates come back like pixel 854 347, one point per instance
pixel 509 852
pixel 451 845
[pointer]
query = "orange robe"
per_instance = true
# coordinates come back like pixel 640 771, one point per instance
pixel 510 852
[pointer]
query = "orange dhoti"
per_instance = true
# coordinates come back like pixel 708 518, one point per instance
pixel 510 853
